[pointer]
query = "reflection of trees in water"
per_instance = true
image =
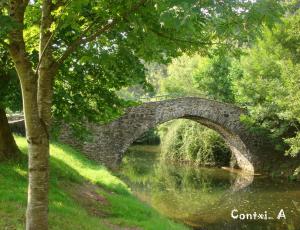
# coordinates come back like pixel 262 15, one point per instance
pixel 179 190
pixel 206 196
pixel 138 166
pixel 185 178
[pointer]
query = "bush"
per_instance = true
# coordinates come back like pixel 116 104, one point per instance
pixel 188 141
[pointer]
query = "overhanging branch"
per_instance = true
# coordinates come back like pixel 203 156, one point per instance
pixel 180 40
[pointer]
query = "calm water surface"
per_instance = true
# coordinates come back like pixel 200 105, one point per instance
pixel 203 198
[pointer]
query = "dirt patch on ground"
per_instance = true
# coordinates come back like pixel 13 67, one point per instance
pixel 89 191
pixel 87 196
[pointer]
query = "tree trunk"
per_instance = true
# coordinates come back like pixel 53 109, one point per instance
pixel 8 146
pixel 38 158
pixel 38 144
pixel 37 206
pixel 37 95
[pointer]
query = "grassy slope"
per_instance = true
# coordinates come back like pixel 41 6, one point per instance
pixel 83 195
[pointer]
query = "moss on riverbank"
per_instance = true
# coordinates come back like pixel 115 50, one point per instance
pixel 83 195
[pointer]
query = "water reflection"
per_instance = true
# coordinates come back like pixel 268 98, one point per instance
pixel 242 181
pixel 203 198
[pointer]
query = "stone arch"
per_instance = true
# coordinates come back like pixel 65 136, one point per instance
pixel 110 141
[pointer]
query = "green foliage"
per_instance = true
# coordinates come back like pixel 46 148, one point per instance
pixel 199 76
pixel 70 171
pixel 212 78
pixel 266 81
pixel 179 78
pixel 6 25
pixel 294 143
pixel 153 30
pixel 187 141
pixel 86 89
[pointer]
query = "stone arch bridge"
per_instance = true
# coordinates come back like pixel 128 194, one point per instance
pixel 110 141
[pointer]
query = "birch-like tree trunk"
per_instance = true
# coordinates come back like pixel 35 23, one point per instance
pixel 8 146
pixel 37 96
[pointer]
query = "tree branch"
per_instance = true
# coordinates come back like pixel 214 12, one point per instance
pixel 16 45
pixel 49 41
pixel 45 72
pixel 45 54
pixel 193 42
pixel 83 39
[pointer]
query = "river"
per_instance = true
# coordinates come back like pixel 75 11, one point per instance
pixel 211 198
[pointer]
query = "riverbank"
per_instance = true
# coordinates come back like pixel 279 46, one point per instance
pixel 83 195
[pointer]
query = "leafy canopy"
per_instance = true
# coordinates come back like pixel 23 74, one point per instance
pixel 101 46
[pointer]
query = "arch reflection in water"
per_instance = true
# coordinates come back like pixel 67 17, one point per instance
pixel 203 198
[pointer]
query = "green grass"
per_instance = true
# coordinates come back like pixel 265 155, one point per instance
pixel 83 195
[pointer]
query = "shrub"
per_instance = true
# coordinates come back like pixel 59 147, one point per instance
pixel 188 141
